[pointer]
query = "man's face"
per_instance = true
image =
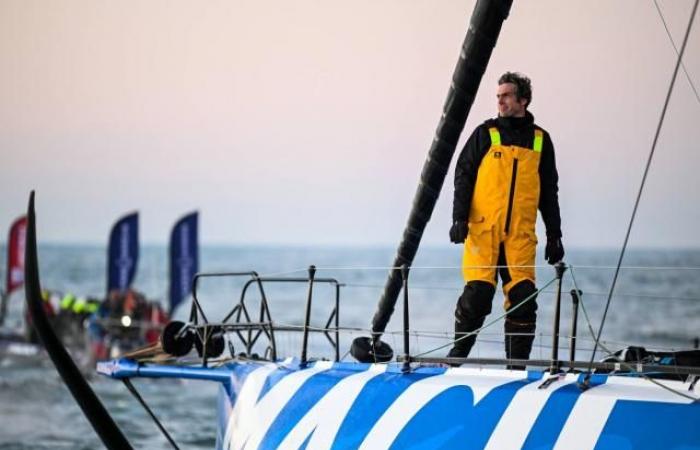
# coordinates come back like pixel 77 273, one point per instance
pixel 508 103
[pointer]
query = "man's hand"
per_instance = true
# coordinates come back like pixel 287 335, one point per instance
pixel 554 252
pixel 458 231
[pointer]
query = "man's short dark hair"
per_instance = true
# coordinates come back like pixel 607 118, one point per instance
pixel 523 86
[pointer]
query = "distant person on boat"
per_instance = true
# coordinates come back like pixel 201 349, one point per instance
pixel 73 312
pixel 505 172
pixel 124 321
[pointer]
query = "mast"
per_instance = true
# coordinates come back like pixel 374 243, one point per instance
pixel 484 28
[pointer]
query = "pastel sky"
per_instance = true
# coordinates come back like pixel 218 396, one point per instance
pixel 308 122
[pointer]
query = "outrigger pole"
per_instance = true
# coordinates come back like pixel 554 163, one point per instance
pixel 484 28
pixel 93 409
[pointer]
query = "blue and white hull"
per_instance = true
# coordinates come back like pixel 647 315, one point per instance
pixel 351 405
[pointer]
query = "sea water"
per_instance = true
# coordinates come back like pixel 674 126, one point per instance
pixel 656 304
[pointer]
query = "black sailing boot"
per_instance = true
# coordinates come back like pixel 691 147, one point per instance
pixel 472 308
pixel 519 338
pixel 462 345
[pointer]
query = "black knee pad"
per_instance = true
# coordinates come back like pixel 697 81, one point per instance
pixel 475 302
pixel 517 295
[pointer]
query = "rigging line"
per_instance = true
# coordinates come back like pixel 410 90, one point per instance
pixel 132 389
pixel 610 353
pixel 351 330
pixel 430 267
pixel 641 188
pixel 286 272
pixel 690 80
pixel 653 268
pixel 430 288
pixel 595 294
pixel 537 266
pixel 448 335
pixel 583 307
pixel 646 377
pixel 471 333
pixel 590 326
pixel 634 295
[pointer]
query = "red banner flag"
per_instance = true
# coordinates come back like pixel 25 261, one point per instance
pixel 15 254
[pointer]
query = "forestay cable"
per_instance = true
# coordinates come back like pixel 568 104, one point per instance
pixel 641 188
pixel 687 75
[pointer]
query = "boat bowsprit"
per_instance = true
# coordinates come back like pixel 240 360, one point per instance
pixel 126 320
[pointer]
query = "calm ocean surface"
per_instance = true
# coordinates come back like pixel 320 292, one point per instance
pixel 657 308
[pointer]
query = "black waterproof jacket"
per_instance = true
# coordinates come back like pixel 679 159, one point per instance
pixel 518 131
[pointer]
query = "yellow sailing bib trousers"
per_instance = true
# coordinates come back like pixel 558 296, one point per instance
pixel 503 213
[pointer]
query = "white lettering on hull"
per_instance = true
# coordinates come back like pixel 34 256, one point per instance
pixel 395 418
pixel 593 407
pixel 517 420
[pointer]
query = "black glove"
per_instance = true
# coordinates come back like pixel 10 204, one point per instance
pixel 554 252
pixel 458 231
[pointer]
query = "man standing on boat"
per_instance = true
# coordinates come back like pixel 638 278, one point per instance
pixel 505 172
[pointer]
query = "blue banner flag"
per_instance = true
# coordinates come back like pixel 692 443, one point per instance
pixel 123 253
pixel 184 259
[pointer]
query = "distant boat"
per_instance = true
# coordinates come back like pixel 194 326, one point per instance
pixel 22 341
pixel 126 320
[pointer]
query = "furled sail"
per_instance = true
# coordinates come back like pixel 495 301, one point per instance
pixel 485 26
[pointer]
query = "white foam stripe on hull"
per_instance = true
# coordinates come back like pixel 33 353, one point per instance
pixel 267 409
pixel 247 397
pixel 326 417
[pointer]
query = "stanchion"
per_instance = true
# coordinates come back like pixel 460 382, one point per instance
pixel 560 268
pixel 307 317
pixel 406 350
pixel 575 296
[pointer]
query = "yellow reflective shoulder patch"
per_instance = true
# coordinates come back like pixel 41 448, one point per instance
pixel 537 144
pixel 495 136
